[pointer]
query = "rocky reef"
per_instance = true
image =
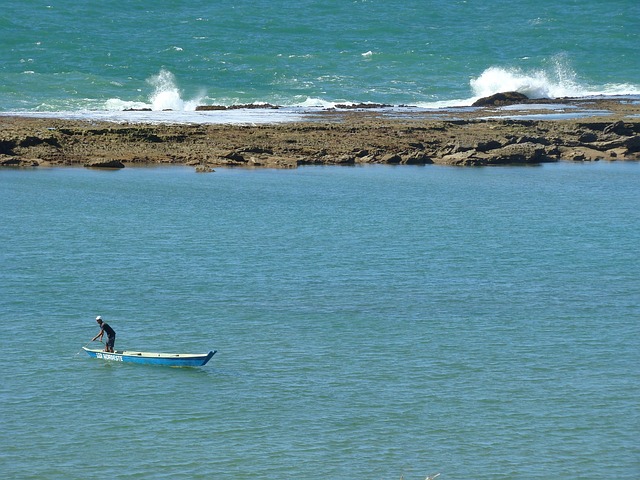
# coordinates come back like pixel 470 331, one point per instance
pixel 471 137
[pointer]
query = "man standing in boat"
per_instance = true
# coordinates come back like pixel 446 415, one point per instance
pixel 111 334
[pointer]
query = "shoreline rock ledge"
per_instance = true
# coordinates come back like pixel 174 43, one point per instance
pixel 105 164
pixel 502 99
pixel 467 137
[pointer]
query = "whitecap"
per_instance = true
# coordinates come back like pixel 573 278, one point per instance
pixel 533 84
pixel 167 95
pixel 316 103
pixel 557 81
pixel 117 105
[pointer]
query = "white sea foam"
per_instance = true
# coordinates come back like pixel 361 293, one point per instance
pixel 166 95
pixel 231 117
pixel 557 81
pixel 459 102
pixel 166 102
pixel 316 103
pixel 533 84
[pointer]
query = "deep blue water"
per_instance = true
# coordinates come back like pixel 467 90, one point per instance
pixel 372 322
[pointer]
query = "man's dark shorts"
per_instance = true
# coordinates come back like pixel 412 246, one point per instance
pixel 111 341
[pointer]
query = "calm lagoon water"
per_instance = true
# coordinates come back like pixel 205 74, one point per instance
pixel 370 323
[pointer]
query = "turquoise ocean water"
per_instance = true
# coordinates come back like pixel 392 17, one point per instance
pixel 371 323
pixel 93 56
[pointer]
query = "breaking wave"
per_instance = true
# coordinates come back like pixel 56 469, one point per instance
pixel 166 95
pixel 558 81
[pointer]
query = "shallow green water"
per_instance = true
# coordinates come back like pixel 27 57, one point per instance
pixel 370 322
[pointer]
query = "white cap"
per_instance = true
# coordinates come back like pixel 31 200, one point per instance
pixel 98 317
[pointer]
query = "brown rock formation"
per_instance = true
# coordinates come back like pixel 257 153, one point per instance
pixel 329 138
pixel 501 99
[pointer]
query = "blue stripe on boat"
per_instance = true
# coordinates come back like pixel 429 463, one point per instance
pixel 151 358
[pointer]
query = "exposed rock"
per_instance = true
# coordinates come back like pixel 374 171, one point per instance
pixel 329 138
pixel 453 148
pixel 586 154
pixel 105 164
pixel 361 153
pixel 13 161
pixel 530 139
pixel 519 153
pixel 6 147
pixel 32 141
pixel 359 106
pixel 256 149
pixel 346 160
pixel 631 144
pixel 391 158
pixel 248 106
pixel 488 145
pixel 460 158
pixel 204 108
pixel 235 156
pixel 416 158
pixel 366 159
pixel 501 99
pixel 618 128
pixel 616 153
pixel 588 137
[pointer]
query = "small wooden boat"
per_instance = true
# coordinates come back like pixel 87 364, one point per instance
pixel 168 359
